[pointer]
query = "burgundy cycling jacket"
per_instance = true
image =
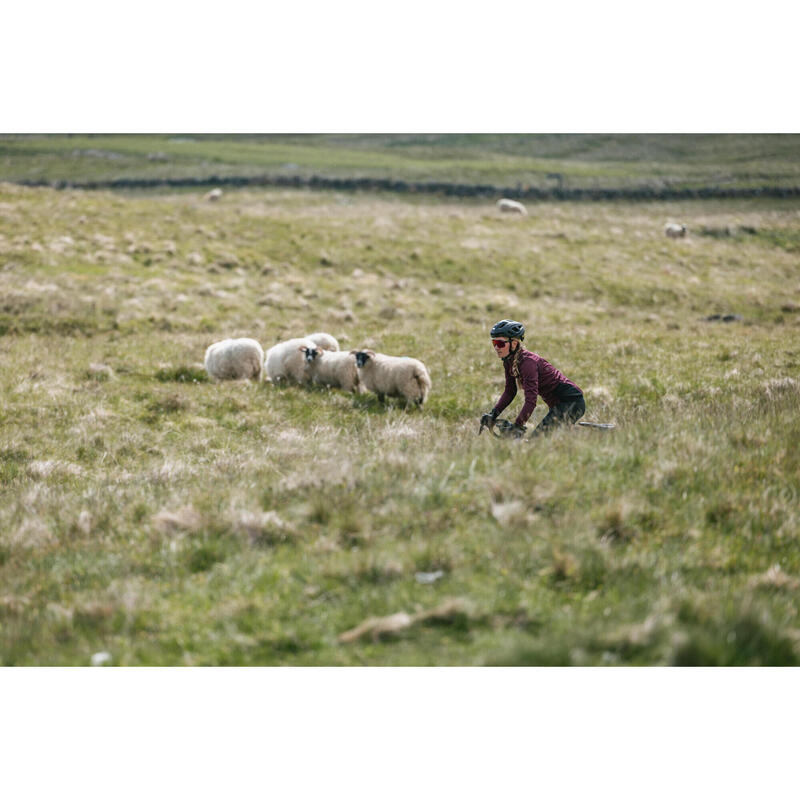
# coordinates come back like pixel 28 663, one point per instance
pixel 539 377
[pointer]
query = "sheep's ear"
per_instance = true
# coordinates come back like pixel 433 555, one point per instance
pixel 370 353
pixel 302 348
pixel 353 352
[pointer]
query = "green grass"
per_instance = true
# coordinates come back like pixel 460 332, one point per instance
pixel 167 519
pixel 575 160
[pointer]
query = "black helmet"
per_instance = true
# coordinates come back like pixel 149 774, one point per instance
pixel 509 328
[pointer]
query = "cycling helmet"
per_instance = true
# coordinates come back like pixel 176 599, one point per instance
pixel 509 328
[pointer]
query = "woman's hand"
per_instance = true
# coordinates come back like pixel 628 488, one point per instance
pixel 487 420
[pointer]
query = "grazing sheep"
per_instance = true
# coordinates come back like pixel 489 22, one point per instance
pixel 675 231
pixel 233 359
pixel 324 341
pixel 213 195
pixel 393 375
pixel 511 207
pixel 336 369
pixel 291 360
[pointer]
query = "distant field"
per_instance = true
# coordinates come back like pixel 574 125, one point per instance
pixel 163 519
pixel 544 161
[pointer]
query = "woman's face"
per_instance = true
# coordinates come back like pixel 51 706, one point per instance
pixel 501 346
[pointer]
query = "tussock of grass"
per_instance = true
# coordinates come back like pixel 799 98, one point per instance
pixel 182 374
pixel 455 613
pixel 743 638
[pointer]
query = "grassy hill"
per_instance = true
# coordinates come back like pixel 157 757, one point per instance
pixel 164 519
pixel 543 160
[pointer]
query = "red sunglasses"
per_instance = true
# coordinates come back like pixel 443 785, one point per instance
pixel 499 343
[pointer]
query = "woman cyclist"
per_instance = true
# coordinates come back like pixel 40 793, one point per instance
pixel 535 377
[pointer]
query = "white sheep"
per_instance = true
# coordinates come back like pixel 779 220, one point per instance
pixel 336 369
pixel 234 359
pixel 393 375
pixel 511 207
pixel 213 195
pixel 675 231
pixel 291 360
pixel 324 341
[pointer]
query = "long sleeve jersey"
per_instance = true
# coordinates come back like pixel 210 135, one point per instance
pixel 539 377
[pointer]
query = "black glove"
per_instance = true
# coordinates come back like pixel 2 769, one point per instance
pixel 488 419
pixel 486 422
pixel 508 429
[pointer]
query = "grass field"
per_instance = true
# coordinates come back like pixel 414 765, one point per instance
pixel 150 514
pixel 571 161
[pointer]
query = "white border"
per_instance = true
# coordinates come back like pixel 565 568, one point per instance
pixel 399 733
pixel 356 66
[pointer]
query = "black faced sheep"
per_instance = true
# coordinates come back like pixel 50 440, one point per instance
pixel 324 341
pixel 675 231
pixel 336 369
pixel 291 361
pixel 393 375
